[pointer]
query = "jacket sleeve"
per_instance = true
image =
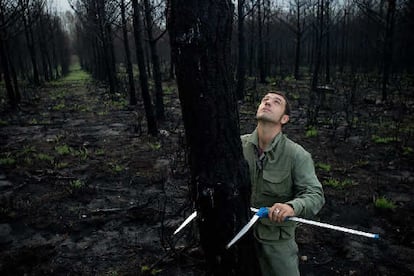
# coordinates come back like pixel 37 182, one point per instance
pixel 308 193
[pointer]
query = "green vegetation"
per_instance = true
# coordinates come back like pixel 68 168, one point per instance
pixel 117 168
pixel 361 163
pixel 407 150
pixel 44 157
pixel 384 203
pixel 3 123
pixel 100 152
pixel 77 184
pixel 8 160
pixel 63 149
pixel 323 167
pixel 311 132
pixel 383 140
pixel 338 184
pixel 118 104
pixel 61 165
pixel 152 271
pixel 155 146
pixel 59 106
pixel 103 113
pixel 76 74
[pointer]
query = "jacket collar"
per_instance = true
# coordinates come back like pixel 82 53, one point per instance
pixel 254 139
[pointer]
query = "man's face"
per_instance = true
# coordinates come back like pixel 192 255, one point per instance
pixel 272 109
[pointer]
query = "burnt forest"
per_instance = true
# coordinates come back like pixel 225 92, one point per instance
pixel 119 119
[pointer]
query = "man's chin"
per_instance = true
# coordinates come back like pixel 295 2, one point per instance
pixel 266 119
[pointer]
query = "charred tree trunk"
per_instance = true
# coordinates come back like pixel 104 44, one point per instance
pixel 200 35
pixel 241 64
pixel 318 45
pixel 252 40
pixel 149 112
pixel 156 70
pixel 260 47
pixel 328 46
pixel 315 93
pixel 4 58
pixel 105 46
pixel 32 51
pixel 130 72
pixel 298 45
pixel 388 45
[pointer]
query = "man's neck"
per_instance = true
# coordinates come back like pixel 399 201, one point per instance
pixel 266 132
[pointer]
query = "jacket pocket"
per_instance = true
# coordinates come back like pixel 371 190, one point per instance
pixel 267 231
pixel 277 183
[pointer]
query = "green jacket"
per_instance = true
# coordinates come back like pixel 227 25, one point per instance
pixel 285 173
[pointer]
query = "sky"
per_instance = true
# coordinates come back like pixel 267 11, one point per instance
pixel 61 5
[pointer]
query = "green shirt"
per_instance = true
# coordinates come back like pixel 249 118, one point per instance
pixel 284 173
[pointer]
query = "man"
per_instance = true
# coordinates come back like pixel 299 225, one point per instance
pixel 283 178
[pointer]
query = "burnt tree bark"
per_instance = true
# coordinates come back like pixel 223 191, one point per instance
pixel 241 60
pixel 143 77
pixel 200 35
pixel 30 41
pixel 388 45
pixel 156 70
pixel 132 95
pixel 260 46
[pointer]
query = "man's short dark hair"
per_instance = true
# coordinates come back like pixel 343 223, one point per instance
pixel 287 106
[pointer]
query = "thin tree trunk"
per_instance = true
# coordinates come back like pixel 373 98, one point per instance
pixel 318 45
pixel 328 46
pixel 260 54
pixel 200 35
pixel 32 52
pixel 156 71
pixel 106 55
pixel 151 122
pixel 388 45
pixel 130 71
pixel 298 40
pixel 6 74
pixel 252 40
pixel 241 64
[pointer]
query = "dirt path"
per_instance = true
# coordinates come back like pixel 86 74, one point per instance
pixel 84 191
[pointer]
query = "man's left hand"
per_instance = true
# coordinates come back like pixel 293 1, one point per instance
pixel 279 211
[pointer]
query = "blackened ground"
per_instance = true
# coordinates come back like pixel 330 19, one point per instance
pixel 84 190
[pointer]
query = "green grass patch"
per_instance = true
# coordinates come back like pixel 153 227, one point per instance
pixel 7 161
pixel 3 123
pixel 324 167
pixel 117 168
pixel 384 203
pixel 100 152
pixel 407 150
pixel 61 165
pixel 44 157
pixel 76 74
pixel 383 140
pixel 155 146
pixel 311 132
pixel 63 149
pixel 82 153
pixel 76 184
pixel 338 184
pixel 59 106
pixel 148 270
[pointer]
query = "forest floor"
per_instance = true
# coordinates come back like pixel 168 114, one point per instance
pixel 84 190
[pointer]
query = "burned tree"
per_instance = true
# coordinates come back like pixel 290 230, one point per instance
pixel 151 122
pixel 200 33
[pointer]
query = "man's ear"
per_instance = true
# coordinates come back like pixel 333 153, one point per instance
pixel 285 119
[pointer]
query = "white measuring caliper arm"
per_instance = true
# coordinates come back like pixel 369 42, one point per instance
pixel 263 212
